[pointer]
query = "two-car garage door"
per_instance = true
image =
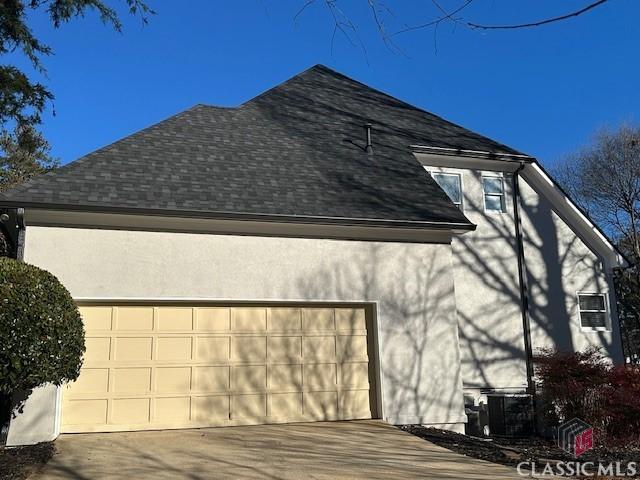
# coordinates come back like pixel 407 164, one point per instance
pixel 181 366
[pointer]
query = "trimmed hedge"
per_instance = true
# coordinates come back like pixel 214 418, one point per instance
pixel 40 327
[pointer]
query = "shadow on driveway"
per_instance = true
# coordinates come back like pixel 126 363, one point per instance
pixel 358 449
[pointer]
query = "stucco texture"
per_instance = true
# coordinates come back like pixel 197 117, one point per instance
pixel 488 291
pixel 559 265
pixel 410 284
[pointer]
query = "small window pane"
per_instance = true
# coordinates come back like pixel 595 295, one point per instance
pixel 492 185
pixel 493 203
pixel 591 302
pixel 593 319
pixel 451 186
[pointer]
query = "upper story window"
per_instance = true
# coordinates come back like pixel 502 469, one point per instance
pixel 593 311
pixel 493 188
pixel 451 183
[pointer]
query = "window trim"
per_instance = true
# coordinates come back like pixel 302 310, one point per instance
pixel 460 178
pixel 607 312
pixel 503 195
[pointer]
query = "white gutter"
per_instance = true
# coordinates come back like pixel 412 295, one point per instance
pixel 468 153
pixel 562 203
pixel 538 176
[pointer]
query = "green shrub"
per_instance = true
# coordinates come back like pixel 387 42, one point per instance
pixel 40 327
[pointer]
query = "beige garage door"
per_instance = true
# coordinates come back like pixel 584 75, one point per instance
pixel 165 366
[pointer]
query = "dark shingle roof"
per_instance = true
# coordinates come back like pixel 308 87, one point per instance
pixel 295 150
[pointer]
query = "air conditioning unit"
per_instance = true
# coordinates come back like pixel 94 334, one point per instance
pixel 511 415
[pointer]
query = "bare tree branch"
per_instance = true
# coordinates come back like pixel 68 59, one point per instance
pixel 540 22
pixel 382 17
pixel 446 16
pixel 307 4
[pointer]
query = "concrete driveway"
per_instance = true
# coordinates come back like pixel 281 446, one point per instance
pixel 359 449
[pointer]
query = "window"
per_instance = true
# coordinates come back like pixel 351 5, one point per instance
pixel 451 183
pixel 493 188
pixel 593 311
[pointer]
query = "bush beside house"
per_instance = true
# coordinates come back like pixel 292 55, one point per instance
pixel 41 330
pixel 584 385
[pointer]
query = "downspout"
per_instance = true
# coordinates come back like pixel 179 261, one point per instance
pixel 524 286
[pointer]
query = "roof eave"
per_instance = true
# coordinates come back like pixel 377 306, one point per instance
pixel 455 227
pixel 460 152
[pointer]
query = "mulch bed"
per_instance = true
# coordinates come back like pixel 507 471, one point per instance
pixel 512 451
pixel 20 462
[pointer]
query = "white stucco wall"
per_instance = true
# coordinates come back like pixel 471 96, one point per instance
pixel 488 291
pixel 560 265
pixel 411 284
pixel 36 422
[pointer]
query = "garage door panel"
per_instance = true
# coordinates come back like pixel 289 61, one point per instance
pixel 131 411
pixel 180 366
pixel 315 319
pixel 85 412
pixel 285 377
pixel 213 319
pixel 213 349
pixel 285 320
pixel 319 347
pixel 211 379
pixel 174 318
pixel 132 349
pixel 131 379
pixel 249 319
pixel 249 377
pixel 286 405
pixel 320 376
pixel 174 349
pixel 98 349
pixel 354 403
pixel 214 410
pixel 285 348
pixel 354 374
pixel 352 346
pixel 350 319
pixel 172 409
pixel 245 348
pixel 321 405
pixel 134 318
pixel 92 380
pixel 249 406
pixel 173 379
pixel 97 318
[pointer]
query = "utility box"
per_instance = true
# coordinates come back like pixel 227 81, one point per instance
pixel 511 415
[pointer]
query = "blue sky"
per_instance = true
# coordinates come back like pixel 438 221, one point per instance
pixel 543 91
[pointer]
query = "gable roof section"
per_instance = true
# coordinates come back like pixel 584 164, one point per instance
pixel 293 152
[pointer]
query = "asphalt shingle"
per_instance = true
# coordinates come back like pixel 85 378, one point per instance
pixel 296 150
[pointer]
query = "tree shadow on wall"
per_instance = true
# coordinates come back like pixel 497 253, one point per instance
pixel 413 290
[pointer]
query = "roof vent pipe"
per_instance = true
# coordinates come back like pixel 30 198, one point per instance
pixel 369 147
